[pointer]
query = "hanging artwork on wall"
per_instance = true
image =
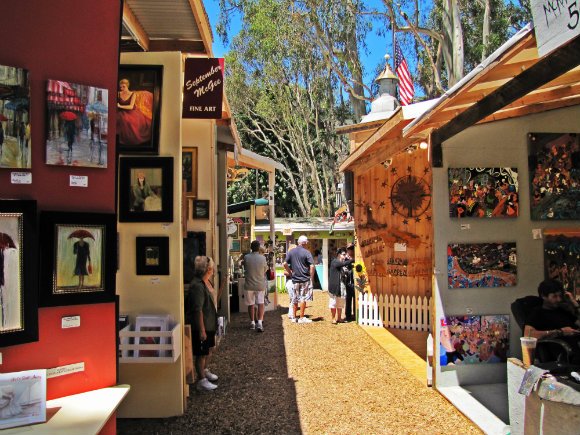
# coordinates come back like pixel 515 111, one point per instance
pixel 146 189
pixel 562 258
pixel 77 124
pixel 474 339
pixel 14 118
pixel 483 192
pixel 193 245
pixel 554 167
pixel 139 108
pixel 481 265
pixel 152 255
pixel 189 170
pixel 78 258
pixel 18 272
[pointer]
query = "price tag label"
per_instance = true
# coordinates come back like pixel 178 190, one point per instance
pixel 155 281
pixel 79 181
pixel 71 322
pixel 21 177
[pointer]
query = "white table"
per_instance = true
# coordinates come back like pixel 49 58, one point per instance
pixel 79 414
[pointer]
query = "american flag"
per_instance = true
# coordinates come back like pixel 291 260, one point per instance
pixel 406 88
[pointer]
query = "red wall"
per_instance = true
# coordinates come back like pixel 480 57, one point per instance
pixel 76 41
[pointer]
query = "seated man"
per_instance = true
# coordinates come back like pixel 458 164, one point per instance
pixel 558 316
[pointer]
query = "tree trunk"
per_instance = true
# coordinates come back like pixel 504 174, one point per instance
pixel 486 28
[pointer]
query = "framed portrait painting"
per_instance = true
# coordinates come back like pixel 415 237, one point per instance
pixel 78 258
pixel 189 170
pixel 562 258
pixel 76 125
pixel 201 209
pixel 139 108
pixel 18 272
pixel 152 255
pixel 146 189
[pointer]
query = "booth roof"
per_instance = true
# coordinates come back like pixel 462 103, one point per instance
pixel 306 224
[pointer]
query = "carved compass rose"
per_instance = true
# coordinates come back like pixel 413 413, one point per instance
pixel 410 196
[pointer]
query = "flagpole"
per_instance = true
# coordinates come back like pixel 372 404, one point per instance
pixel 393 36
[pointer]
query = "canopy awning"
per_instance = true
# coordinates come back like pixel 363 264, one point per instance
pixel 513 81
pixel 250 159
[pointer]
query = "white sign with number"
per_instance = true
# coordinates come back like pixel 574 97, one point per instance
pixel 556 22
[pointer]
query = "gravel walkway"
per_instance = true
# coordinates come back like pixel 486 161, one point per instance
pixel 307 379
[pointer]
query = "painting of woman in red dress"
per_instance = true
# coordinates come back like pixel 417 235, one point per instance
pixel 134 115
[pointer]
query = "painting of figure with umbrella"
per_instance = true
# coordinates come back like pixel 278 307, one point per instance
pixel 10 272
pixel 14 118
pixel 79 258
pixel 76 125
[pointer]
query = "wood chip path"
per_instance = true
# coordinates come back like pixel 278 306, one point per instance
pixel 314 378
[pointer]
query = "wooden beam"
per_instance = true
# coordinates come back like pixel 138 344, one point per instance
pixel 203 25
pixel 544 71
pixel 533 108
pixel 184 46
pixel 134 27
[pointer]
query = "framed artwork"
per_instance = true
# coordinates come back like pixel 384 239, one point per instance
pixel 193 245
pixel 201 209
pixel 474 339
pixel 23 398
pixel 152 255
pixel 235 245
pixel 562 258
pixel 472 265
pixel 483 192
pixel 245 245
pixel 146 189
pixel 189 170
pixel 151 323
pixel 14 118
pixel 76 125
pixel 139 108
pixel 78 258
pixel 554 167
pixel 18 272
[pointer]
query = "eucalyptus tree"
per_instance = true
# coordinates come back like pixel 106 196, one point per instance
pixel 285 100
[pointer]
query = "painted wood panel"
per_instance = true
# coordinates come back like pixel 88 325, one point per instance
pixel 393 224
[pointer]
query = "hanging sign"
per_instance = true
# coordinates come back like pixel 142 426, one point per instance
pixel 555 23
pixel 203 87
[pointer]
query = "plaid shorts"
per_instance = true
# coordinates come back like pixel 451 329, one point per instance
pixel 302 292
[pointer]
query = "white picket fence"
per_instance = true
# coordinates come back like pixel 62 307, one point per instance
pixel 394 311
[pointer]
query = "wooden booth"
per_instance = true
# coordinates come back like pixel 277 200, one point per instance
pixel 494 211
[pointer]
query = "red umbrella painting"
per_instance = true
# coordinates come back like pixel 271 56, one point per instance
pixel 67 115
pixel 83 254
pixel 6 242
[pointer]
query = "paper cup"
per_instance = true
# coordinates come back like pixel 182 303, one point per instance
pixel 528 350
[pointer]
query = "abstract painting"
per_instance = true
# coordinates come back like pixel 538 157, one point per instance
pixel 474 339
pixel 481 265
pixel 483 192
pixel 554 166
pixel 562 258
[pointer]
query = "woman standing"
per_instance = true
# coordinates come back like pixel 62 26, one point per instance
pixel 336 285
pixel 201 314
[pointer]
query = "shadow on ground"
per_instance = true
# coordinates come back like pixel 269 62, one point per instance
pixel 255 395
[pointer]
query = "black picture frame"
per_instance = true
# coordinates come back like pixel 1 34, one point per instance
pixel 200 209
pixel 158 176
pixel 88 278
pixel 145 81
pixel 19 254
pixel 193 245
pixel 152 255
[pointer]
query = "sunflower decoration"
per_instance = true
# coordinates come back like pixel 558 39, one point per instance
pixel 361 280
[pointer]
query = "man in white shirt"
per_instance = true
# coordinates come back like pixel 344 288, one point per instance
pixel 255 284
